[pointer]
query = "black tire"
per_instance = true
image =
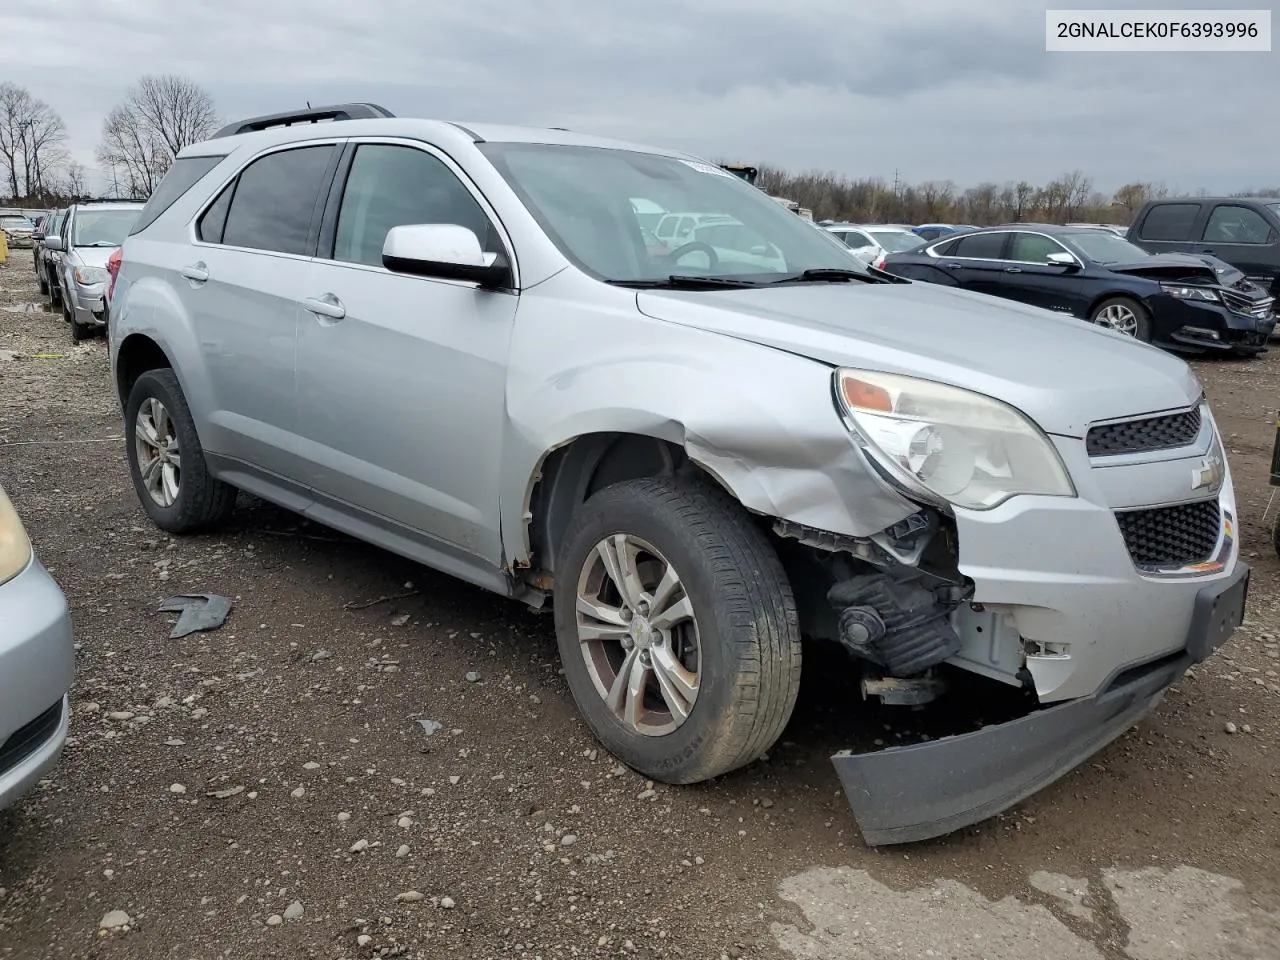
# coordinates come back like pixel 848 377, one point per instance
pixel 203 502
pixel 1275 534
pixel 44 284
pixel 749 635
pixel 1140 312
pixel 55 292
pixel 79 331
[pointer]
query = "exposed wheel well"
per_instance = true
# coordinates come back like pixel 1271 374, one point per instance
pixel 136 356
pixel 572 473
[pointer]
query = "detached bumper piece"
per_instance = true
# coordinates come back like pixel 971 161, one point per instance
pixel 926 790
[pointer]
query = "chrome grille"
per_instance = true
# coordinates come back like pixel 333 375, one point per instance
pixel 1249 306
pixel 1140 436
pixel 1171 536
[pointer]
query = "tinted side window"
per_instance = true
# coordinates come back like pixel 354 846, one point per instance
pixel 946 249
pixel 275 198
pixel 389 186
pixel 1033 248
pixel 1233 224
pixel 211 225
pixel 180 177
pixel 1169 221
pixel 980 246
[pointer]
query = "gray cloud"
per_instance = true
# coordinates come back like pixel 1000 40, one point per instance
pixel 935 91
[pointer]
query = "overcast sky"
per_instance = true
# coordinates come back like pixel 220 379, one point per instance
pixel 935 90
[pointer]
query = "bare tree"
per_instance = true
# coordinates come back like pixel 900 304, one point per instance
pixel 158 117
pixel 32 136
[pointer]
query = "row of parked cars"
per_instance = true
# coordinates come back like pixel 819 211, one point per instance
pixel 1196 276
pixel 72 249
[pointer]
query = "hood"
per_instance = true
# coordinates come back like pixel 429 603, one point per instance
pixel 94 256
pixel 1192 267
pixel 1062 372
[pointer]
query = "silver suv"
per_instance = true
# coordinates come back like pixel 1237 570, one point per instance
pixel 86 238
pixel 453 341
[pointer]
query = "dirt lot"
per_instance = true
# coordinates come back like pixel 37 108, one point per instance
pixel 523 839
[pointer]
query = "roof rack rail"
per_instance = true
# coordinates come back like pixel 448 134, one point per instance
pixel 338 111
pixel 82 200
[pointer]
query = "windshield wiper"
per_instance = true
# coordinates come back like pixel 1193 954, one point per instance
pixel 98 243
pixel 679 281
pixel 827 275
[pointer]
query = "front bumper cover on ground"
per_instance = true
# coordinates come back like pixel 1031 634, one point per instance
pixel 926 790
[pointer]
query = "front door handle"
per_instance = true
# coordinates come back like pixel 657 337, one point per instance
pixel 1012 269
pixel 952 266
pixel 326 306
pixel 196 272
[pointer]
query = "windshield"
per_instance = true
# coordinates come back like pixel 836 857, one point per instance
pixel 589 201
pixel 16 223
pixel 896 241
pixel 103 228
pixel 1103 246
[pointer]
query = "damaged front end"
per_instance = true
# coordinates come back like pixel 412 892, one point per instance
pixel 1080 597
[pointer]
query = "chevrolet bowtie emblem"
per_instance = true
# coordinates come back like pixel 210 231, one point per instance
pixel 1209 475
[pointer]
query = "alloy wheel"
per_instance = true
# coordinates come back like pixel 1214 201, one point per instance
pixel 638 635
pixel 1119 318
pixel 157 449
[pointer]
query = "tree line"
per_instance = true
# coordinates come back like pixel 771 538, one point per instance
pixel 161 114
pixel 158 116
pixel 1068 198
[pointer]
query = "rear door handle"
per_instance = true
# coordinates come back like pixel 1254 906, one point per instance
pixel 952 266
pixel 326 306
pixel 1012 269
pixel 196 272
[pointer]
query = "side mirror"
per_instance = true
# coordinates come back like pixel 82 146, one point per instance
pixel 54 243
pixel 1063 260
pixel 443 250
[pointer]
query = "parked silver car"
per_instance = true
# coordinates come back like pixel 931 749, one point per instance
pixel 452 340
pixel 37 660
pixel 89 233
pixel 17 230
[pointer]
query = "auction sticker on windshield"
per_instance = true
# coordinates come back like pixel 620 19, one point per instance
pixel 708 168
pixel 1151 31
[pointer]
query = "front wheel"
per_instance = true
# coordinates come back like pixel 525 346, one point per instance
pixel 1123 315
pixel 677 629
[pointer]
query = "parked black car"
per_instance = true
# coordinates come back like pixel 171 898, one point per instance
pixel 1245 232
pixel 1177 301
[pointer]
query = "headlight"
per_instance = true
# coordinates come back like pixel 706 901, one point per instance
pixel 948 445
pixel 1183 292
pixel 15 548
pixel 87 275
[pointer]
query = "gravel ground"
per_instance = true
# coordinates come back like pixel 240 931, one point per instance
pixel 271 789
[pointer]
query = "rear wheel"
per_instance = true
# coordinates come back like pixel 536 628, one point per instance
pixel 1123 315
pixel 677 629
pixel 166 460
pixel 1275 534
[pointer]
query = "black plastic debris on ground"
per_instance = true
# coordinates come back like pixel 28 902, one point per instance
pixel 200 611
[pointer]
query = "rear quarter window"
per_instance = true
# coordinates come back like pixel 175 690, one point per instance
pixel 1169 221
pixel 182 175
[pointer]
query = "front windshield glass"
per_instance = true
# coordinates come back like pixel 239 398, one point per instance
pixel 103 228
pixel 896 241
pixel 16 223
pixel 1103 246
pixel 593 203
